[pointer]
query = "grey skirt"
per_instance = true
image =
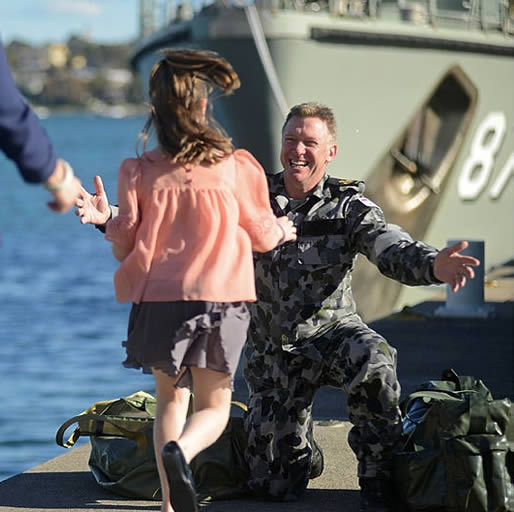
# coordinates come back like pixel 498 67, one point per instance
pixel 167 336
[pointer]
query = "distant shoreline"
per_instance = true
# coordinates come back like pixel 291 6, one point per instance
pixel 112 111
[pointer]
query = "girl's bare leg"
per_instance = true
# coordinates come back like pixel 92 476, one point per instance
pixel 212 396
pixel 172 405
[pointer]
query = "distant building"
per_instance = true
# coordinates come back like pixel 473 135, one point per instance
pixel 77 74
pixel 58 54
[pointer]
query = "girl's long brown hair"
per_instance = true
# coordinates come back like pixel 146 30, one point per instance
pixel 180 84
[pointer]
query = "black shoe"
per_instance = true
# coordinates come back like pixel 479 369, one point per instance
pixel 180 479
pixel 376 495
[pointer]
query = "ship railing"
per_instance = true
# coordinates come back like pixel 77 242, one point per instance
pixel 486 15
pixel 480 14
pixel 155 15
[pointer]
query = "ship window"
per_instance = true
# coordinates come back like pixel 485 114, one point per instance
pixel 408 180
pixel 429 143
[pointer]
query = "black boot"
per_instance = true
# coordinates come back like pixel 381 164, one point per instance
pixel 376 495
pixel 318 460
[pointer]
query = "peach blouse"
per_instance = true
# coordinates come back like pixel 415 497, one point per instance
pixel 189 231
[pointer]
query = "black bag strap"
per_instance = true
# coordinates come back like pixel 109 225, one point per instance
pixel 466 383
pixel 90 424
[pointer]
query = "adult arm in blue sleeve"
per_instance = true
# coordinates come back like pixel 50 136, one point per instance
pixel 24 141
pixel 22 138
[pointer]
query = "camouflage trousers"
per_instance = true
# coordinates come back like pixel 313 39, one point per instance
pixel 282 386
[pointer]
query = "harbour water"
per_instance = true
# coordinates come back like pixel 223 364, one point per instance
pixel 60 326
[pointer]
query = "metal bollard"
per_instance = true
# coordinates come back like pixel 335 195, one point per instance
pixel 468 302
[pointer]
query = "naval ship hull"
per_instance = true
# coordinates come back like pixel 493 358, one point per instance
pixel 424 118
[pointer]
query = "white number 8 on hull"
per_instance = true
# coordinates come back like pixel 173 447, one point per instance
pixel 477 169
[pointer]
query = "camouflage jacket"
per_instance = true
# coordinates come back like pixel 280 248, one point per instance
pixel 304 288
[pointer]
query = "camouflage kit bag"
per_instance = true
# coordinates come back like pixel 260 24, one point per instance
pixel 458 448
pixel 122 457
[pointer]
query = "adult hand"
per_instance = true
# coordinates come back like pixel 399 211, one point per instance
pixel 93 208
pixel 64 199
pixel 454 268
pixel 64 186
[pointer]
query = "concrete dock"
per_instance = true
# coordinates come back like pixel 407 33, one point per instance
pixel 426 345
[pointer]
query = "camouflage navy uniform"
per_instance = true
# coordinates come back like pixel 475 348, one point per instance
pixel 305 334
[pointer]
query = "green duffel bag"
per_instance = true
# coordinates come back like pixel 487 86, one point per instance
pixel 122 458
pixel 458 448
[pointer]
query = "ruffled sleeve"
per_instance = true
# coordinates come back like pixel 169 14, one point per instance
pixel 121 230
pixel 255 214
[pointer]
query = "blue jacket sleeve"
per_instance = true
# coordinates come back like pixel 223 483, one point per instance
pixel 22 138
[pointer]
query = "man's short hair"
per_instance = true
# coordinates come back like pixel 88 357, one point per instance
pixel 313 109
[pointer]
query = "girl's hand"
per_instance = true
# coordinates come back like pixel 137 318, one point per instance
pixel 288 229
pixel 93 208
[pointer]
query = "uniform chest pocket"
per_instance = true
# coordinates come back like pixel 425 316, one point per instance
pixel 320 250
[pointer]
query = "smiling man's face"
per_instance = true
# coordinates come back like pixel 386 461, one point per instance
pixel 307 147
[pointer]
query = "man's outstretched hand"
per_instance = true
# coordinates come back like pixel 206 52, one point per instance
pixel 93 208
pixel 454 268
